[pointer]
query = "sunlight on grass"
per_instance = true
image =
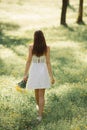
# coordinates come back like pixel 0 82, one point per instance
pixel 83 57
pixel 68 44
pixel 21 50
pixel 16 60
pixel 28 18
pixel 6 52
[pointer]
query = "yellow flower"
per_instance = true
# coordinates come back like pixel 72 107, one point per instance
pixel 20 89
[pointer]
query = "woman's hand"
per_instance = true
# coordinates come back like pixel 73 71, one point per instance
pixel 52 80
pixel 25 78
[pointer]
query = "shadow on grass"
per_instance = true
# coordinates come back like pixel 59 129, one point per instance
pixel 77 33
pixel 74 33
pixel 29 125
pixel 8 26
pixel 81 22
pixel 7 40
pixel 3 68
pixel 72 7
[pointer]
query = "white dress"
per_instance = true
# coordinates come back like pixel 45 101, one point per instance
pixel 38 74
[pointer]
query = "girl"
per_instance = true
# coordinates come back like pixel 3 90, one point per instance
pixel 39 67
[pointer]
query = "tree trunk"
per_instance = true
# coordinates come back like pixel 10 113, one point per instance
pixel 80 13
pixel 68 2
pixel 63 12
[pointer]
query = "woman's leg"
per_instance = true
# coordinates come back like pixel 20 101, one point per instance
pixel 41 101
pixel 37 96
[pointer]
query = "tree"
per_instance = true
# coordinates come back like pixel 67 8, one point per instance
pixel 63 12
pixel 80 12
pixel 68 2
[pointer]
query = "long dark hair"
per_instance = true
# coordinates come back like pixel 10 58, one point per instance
pixel 39 45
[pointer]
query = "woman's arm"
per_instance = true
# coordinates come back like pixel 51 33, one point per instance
pixel 49 65
pixel 28 63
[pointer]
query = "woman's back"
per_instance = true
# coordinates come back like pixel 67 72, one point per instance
pixel 36 59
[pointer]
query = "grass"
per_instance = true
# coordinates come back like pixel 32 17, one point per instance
pixel 66 100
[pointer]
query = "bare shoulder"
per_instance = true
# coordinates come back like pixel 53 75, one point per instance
pixel 48 48
pixel 30 47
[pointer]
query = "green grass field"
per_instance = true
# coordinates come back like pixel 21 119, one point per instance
pixel 66 100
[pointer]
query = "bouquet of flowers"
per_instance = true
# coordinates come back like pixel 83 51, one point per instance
pixel 21 85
